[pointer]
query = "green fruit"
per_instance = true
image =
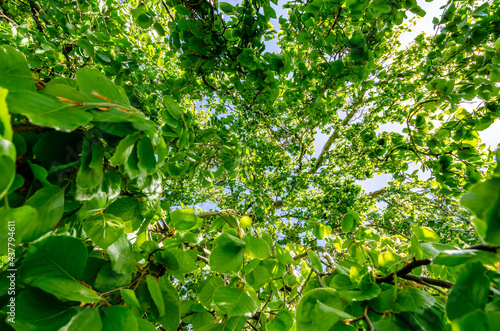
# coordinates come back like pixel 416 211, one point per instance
pixel 245 221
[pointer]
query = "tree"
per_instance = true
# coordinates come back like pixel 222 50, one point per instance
pixel 135 136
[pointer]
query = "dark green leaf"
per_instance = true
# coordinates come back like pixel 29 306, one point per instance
pixel 118 318
pixel 413 300
pixel 206 291
pixel 122 257
pixel 320 309
pixel 54 257
pixel 156 295
pixel 49 203
pixel 470 291
pixel 87 318
pixel 66 288
pixel 40 311
pixel 226 8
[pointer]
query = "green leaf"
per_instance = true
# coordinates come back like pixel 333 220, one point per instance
pixel 146 155
pixel 129 210
pixel 226 8
pixel 181 9
pixel 171 320
pixel 282 322
pixel 104 229
pixel 283 256
pixel 207 289
pixel 258 277
pixel 315 260
pixel 47 111
pixel 178 262
pixel 118 318
pixel 144 21
pixel 470 292
pixel 341 282
pixel 484 201
pixel 86 319
pixel 388 259
pixel 40 311
pixel 159 29
pixel 54 257
pixel 321 231
pixel 91 171
pixel 129 297
pixel 383 8
pixel 476 320
pixel 8 171
pixel 384 301
pixel 104 57
pixel 91 81
pixel 256 247
pixel 14 70
pixel 40 173
pixel 124 149
pixel 413 300
pixel 425 233
pixel 122 257
pixel 144 325
pixel 453 258
pixel 156 295
pixel 131 165
pixel 366 293
pixel 226 259
pixel 86 48
pixel 348 223
pixel 49 203
pixel 199 319
pixel 55 265
pixel 234 302
pixel 22 218
pixel 172 107
pixel 108 280
pixel 319 309
pixel 183 219
pixel 5 126
pixel 68 289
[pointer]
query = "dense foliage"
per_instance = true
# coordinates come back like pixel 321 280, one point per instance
pixel 158 168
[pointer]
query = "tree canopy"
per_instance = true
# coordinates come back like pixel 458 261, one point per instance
pixel 158 166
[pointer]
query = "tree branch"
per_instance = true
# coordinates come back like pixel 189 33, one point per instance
pixel 403 271
pixel 335 135
pixel 428 281
pixel 317 249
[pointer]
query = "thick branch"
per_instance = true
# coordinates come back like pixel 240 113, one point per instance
pixel 390 229
pixel 317 249
pixel 335 135
pixel 20 128
pixel 202 258
pixel 403 271
pixel 377 193
pixel 428 281
pixel 486 248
